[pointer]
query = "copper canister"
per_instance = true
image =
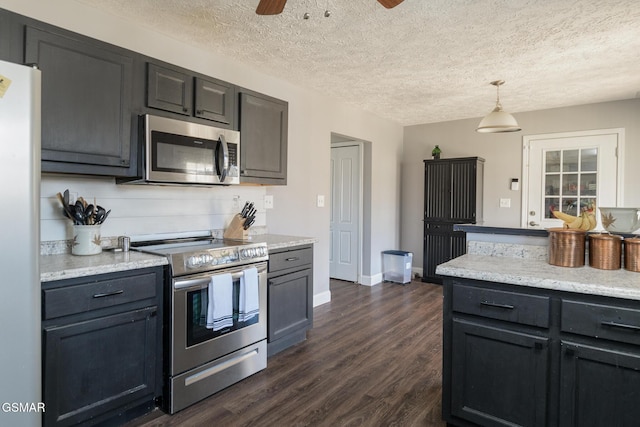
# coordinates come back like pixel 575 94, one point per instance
pixel 632 254
pixel 566 247
pixel 605 251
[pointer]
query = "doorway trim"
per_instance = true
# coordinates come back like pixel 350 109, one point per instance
pixel 526 145
pixel 360 201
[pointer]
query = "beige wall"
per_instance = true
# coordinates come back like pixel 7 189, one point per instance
pixel 503 155
pixel 312 118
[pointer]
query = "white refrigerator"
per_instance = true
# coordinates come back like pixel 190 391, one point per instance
pixel 20 307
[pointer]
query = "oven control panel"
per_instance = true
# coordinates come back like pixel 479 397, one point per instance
pixel 213 259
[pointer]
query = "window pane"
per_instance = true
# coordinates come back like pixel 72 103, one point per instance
pixel 588 184
pixel 589 161
pixel 570 206
pixel 570 161
pixel 570 185
pixel 552 161
pixel 587 203
pixel 551 204
pixel 552 185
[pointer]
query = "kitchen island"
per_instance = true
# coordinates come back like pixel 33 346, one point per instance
pixel 528 343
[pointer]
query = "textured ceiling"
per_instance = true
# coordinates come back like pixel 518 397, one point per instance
pixel 425 60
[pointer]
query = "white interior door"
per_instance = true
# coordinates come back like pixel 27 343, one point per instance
pixel 345 212
pixel 569 172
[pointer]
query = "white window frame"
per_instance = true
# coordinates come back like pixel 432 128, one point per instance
pixel 526 145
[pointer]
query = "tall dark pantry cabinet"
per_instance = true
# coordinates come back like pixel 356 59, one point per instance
pixel 452 195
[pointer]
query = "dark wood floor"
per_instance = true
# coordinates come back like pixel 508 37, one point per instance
pixel 373 358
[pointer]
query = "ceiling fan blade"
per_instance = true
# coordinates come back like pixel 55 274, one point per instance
pixel 270 7
pixel 389 4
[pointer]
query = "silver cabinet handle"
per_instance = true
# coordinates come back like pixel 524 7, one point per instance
pixel 292 259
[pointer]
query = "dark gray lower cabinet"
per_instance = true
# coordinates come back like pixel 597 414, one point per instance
pixel 600 386
pixel 506 371
pixel 102 351
pixel 290 297
pixel 517 355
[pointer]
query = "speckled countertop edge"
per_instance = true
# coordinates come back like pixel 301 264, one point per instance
pixel 540 274
pixel 67 266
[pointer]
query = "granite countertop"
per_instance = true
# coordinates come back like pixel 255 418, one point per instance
pixel 67 266
pixel 540 274
pixel 279 241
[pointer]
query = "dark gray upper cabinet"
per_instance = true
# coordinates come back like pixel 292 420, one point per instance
pixel 87 90
pixel 183 92
pixel 214 100
pixel 169 90
pixel 263 132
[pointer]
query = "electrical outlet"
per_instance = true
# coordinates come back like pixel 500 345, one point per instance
pixel 320 201
pixel 505 203
pixel 268 201
pixel 236 202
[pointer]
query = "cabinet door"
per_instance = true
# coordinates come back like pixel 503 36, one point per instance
pixel 99 365
pixel 264 133
pixel 169 90
pixel 289 306
pixel 499 376
pixel 599 386
pixel 463 191
pixel 441 244
pixel 214 101
pixel 437 191
pixel 86 102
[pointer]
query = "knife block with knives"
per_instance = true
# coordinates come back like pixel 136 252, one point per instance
pixel 239 227
pixel 236 229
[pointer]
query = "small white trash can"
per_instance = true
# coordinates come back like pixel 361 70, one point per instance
pixel 396 266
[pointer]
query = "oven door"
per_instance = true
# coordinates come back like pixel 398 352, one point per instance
pixel 193 344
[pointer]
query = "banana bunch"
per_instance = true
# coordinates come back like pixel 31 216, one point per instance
pixel 586 221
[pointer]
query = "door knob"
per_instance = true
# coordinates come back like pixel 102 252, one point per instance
pixel 533 224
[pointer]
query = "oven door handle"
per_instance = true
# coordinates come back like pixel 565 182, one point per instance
pixel 201 281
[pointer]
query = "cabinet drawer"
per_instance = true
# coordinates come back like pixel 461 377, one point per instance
pixel 502 305
pixel 601 321
pixel 101 294
pixel 290 259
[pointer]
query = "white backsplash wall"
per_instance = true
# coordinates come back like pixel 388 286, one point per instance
pixel 146 209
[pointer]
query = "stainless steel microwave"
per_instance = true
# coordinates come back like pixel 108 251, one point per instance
pixel 180 152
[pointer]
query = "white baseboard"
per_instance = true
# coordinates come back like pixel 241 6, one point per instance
pixel 321 298
pixel 371 280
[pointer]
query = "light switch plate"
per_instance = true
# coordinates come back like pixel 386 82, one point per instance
pixel 320 201
pixel 505 203
pixel 268 201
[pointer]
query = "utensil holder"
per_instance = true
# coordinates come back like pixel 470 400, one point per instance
pixel 566 247
pixel 605 251
pixel 86 240
pixel 236 230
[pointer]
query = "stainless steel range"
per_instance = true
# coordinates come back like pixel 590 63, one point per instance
pixel 216 315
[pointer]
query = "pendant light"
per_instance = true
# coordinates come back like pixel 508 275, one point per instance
pixel 498 120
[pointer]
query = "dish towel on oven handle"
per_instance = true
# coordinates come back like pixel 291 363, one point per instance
pixel 249 304
pixel 220 304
